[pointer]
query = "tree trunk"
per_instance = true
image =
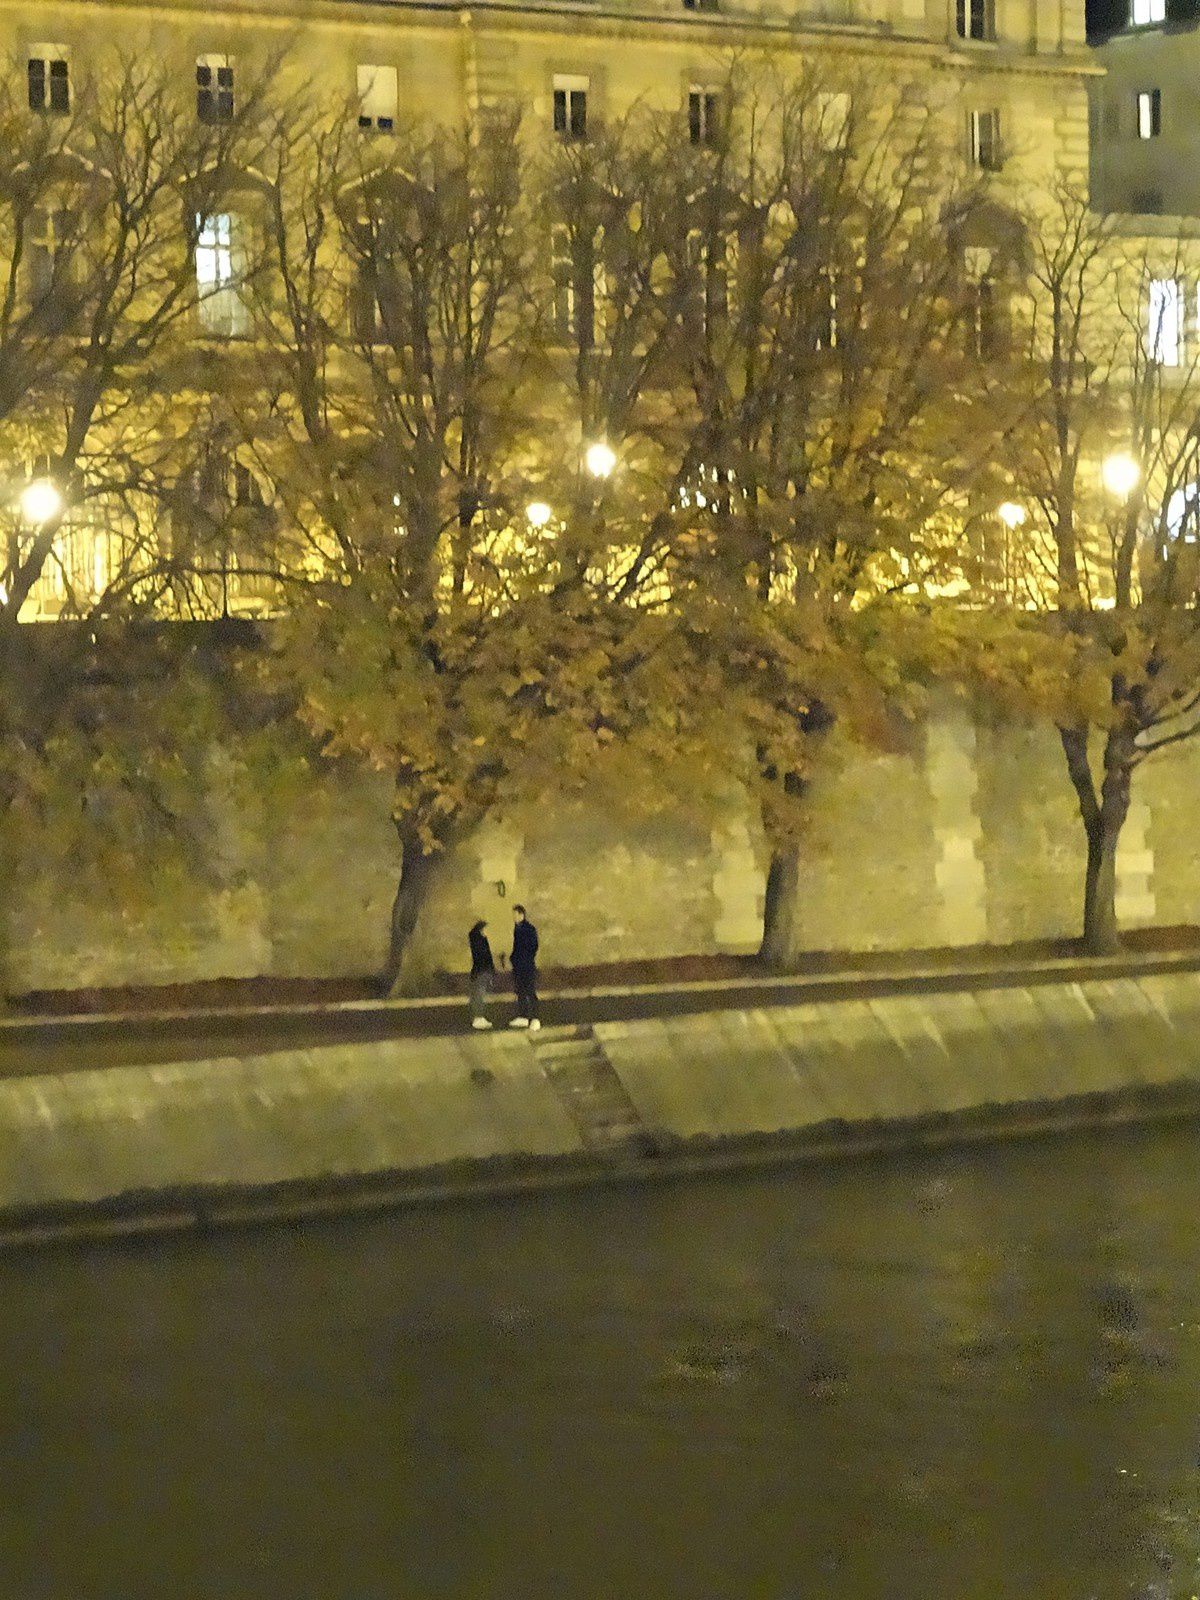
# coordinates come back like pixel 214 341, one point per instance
pixel 779 911
pixel 1103 817
pixel 1100 936
pixel 782 900
pixel 418 865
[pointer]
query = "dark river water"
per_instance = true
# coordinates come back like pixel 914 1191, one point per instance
pixel 965 1376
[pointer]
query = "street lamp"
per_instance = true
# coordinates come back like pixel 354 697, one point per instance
pixel 600 460
pixel 1011 515
pixel 538 513
pixel 41 502
pixel 1120 474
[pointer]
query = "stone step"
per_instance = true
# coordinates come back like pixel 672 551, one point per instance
pixel 587 1067
pixel 574 1061
pixel 569 1051
pixel 564 1033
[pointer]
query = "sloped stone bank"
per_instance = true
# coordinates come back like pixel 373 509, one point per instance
pixel 210 1139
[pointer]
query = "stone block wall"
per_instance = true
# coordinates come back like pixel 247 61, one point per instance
pixel 965 833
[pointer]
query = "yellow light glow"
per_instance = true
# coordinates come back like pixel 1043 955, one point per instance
pixel 41 502
pixel 600 460
pixel 1120 473
pixel 538 513
pixel 1011 514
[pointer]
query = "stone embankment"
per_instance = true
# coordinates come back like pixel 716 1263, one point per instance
pixel 200 1141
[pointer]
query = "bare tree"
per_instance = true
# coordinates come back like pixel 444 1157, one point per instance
pixel 1105 470
pixel 836 409
pixel 452 618
pixel 106 210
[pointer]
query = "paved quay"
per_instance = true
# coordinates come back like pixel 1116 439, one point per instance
pixel 230 1134
pixel 46 1042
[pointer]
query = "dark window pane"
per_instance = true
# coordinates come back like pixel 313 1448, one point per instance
pixel 60 87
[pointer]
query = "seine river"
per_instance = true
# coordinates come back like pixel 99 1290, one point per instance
pixel 965 1376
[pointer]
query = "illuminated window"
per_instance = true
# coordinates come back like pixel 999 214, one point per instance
pixel 246 487
pixel 706 488
pixel 49 76
pixel 219 269
pixel 987 304
pixel 1142 12
pixel 214 89
pixel 1164 322
pixel 364 286
pixel 570 106
pixel 708 263
pixel 578 286
pixel 976 19
pixel 1183 514
pixel 50 238
pixel 824 310
pixel 562 275
pixel 833 118
pixel 983 134
pixel 704 115
pixel 1148 105
pixel 378 98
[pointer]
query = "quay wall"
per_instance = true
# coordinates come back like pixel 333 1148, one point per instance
pixel 208 1137
pixel 966 833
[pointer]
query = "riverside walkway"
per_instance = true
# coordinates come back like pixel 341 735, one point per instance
pixel 185 1118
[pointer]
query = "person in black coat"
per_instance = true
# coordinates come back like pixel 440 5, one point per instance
pixel 483 970
pixel 524 968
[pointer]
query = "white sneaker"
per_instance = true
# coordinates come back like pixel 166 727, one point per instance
pixel 519 1022
pixel 534 1025
pixel 480 1022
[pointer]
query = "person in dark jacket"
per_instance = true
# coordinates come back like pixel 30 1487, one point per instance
pixel 524 968
pixel 483 970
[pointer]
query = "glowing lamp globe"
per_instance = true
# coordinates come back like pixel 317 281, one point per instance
pixel 1011 514
pixel 599 460
pixel 41 502
pixel 1120 474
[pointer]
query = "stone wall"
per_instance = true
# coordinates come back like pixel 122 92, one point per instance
pixel 967 835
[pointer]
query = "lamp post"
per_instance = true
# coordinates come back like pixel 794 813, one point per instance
pixel 1013 516
pixel 538 513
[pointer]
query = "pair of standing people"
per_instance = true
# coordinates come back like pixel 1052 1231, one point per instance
pixel 524 969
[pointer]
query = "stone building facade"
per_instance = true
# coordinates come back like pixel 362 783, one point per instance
pixel 1144 114
pixel 1010 76
pixel 1024 59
